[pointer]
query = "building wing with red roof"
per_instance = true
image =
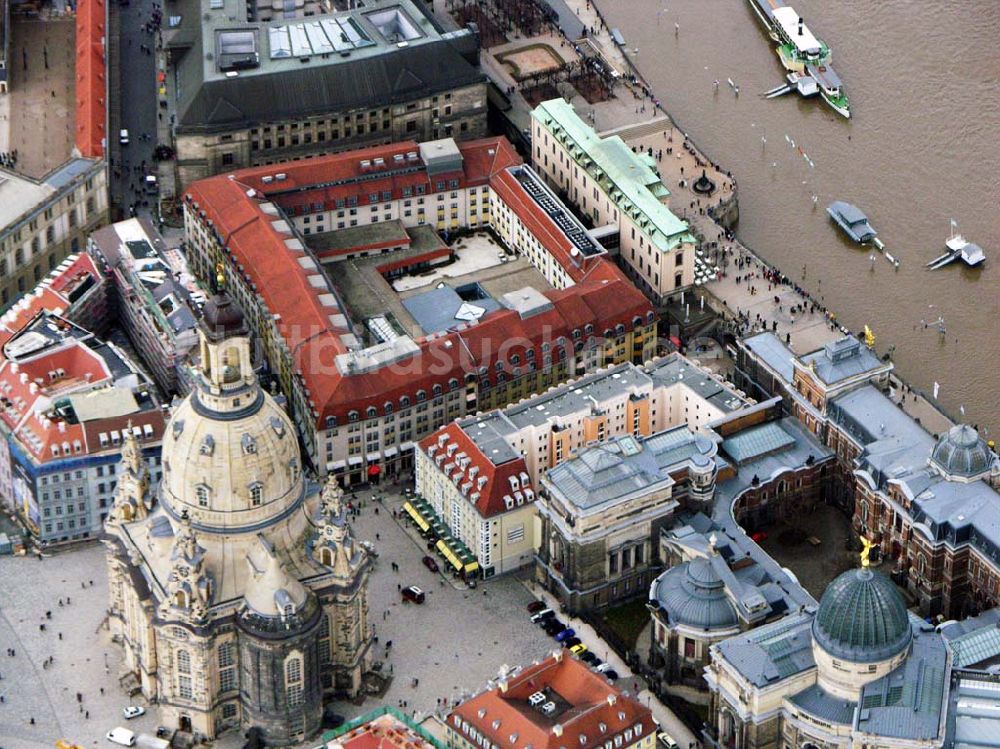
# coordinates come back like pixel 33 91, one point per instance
pixel 67 399
pixel 257 223
pixel 554 704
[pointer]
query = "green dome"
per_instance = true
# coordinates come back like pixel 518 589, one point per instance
pixel 862 618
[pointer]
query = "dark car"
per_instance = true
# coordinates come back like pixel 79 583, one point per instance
pixel 565 634
pixel 611 674
pixel 571 642
pixel 553 626
pixel 535 606
pixel 588 657
pixel 331 719
pixel 595 662
pixel 413 594
pixel 430 563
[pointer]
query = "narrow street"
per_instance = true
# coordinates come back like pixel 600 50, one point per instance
pixel 134 99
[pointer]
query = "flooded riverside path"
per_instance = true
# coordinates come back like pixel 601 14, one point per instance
pixel 922 147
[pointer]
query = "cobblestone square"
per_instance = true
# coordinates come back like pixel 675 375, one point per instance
pixel 451 645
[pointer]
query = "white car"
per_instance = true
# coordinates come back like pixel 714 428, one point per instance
pixel 603 667
pixel 133 711
pixel 123 136
pixel 121 736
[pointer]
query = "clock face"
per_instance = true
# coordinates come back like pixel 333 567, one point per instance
pixel 182 571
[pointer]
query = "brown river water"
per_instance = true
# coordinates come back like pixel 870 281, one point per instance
pixel 922 147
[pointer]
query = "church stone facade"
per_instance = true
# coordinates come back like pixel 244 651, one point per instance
pixel 237 590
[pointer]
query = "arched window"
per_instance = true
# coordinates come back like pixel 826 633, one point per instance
pixel 180 599
pixel 231 364
pixel 293 680
pixel 404 401
pixel 256 495
pixel 371 412
pixel 202 493
pixel 387 406
pixel 293 469
pixel 184 686
pixel 437 390
pixel 421 396
pixel 326 556
pixel 453 384
pixel 352 415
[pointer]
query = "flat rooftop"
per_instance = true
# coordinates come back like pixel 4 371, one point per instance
pixel 236 65
pixel 434 299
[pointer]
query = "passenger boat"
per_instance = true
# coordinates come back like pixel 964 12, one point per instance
pixel 802 53
pixel 852 220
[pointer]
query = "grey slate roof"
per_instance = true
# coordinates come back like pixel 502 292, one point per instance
pixel 435 310
pixel 897 449
pixel 694 594
pixel 374 76
pixel 825 706
pixel 773 353
pixel 907 703
pixel 398 76
pixel 842 359
pixel 793 454
pixel 754 586
pixel 623 466
pixel 773 652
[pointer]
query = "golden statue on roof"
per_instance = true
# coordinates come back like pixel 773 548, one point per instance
pixel 866 551
pixel 220 275
pixel 869 337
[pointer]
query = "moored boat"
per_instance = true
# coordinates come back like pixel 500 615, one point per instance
pixel 852 220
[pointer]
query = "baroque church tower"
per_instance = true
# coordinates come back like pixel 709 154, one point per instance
pixel 237 589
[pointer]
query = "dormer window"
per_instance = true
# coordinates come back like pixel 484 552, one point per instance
pixel 202 493
pixel 256 494
pixel 371 412
pixel 207 445
pixel 293 470
pixel 278 426
pixel 421 396
pixel 249 445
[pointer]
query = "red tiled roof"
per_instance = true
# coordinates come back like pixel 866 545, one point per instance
pixel 490 487
pixel 384 732
pixel 51 295
pixel 597 712
pixel 91 80
pixel 603 297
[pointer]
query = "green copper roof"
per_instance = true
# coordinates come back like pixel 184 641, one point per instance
pixel 862 618
pixel 628 178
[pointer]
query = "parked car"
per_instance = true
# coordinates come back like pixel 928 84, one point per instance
pixel 565 634
pixel 578 649
pixel 413 594
pixel 588 657
pixel 536 606
pixel 123 136
pixel 595 662
pixel 133 711
pixel 602 667
pixel 571 642
pixel 121 736
pixel 541 616
pixel 611 674
pixel 665 740
pixel 553 626
pixel 431 564
pixel 331 719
